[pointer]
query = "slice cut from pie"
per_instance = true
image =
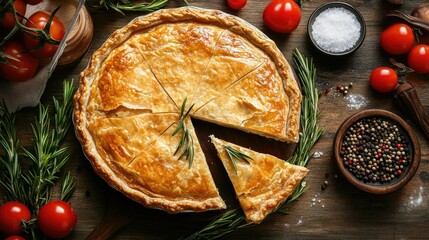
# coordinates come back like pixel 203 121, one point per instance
pixel 262 182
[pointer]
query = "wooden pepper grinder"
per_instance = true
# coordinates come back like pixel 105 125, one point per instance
pixel 406 97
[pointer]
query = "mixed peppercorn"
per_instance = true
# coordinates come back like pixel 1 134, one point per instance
pixel 375 150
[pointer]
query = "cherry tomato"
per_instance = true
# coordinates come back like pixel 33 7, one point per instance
pixel 8 22
pixel 33 2
pixel 418 58
pixel 14 237
pixel 11 215
pixel 18 71
pixel 397 39
pixel 38 20
pixel 383 79
pixel 56 219
pixel 282 15
pixel 236 4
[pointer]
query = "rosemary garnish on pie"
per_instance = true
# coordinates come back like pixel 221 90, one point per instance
pixel 186 142
pixel 235 155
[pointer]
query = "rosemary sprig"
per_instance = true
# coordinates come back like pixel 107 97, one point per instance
pixel 48 158
pixel 186 141
pixel 299 190
pixel 311 132
pixel 11 179
pixel 67 187
pixel 127 5
pixel 224 225
pixel 33 185
pixel 235 155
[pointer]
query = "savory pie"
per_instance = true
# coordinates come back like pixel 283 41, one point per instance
pixel 261 182
pixel 130 98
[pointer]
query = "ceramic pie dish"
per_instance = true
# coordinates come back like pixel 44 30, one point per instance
pixel 131 95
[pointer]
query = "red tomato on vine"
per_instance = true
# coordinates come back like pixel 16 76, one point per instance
pixel 236 4
pixel 56 31
pixel 14 237
pixel 21 70
pixel 11 215
pixel 418 58
pixel 282 15
pixel 56 219
pixel 8 21
pixel 397 39
pixel 383 79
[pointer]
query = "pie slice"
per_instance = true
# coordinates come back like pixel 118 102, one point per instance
pixel 262 183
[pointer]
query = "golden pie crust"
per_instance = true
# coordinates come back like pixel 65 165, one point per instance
pixel 261 184
pixel 130 95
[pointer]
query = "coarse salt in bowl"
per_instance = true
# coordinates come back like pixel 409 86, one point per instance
pixel 336 28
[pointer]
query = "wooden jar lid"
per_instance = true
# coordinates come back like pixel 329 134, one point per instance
pixel 79 39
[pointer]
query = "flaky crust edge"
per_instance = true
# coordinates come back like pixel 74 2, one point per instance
pixel 216 17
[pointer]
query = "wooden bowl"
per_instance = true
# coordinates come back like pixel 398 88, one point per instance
pixel 413 148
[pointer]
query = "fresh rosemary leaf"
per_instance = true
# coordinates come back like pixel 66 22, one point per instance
pixel 310 113
pixel 303 187
pixel 235 155
pixel 186 142
pixel 311 132
pixel 33 185
pixel 11 179
pixel 67 187
pixel 224 225
pixel 127 5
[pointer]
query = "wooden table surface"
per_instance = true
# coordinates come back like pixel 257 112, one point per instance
pixel 338 212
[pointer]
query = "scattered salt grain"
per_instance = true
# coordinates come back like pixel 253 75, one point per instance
pixel 416 201
pixel 356 101
pixel 336 30
pixel 317 154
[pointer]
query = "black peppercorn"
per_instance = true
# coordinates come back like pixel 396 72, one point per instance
pixel 375 150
